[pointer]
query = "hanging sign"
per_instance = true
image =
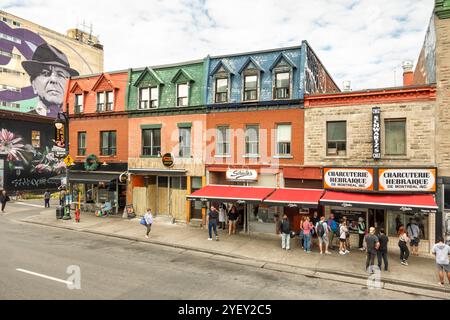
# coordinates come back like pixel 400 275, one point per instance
pixel 420 180
pixel 60 138
pixel 242 174
pixel 167 160
pixel 376 133
pixel 350 179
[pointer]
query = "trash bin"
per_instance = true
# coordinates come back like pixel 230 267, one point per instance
pixel 59 212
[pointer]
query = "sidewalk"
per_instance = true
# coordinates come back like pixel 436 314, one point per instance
pixel 259 251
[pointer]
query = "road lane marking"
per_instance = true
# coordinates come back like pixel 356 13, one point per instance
pixel 29 204
pixel 43 276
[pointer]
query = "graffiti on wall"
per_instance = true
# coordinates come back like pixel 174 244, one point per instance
pixel 47 67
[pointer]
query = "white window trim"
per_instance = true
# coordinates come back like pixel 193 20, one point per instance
pixel 250 72
pixel 274 81
pixel 150 98
pixel 215 77
pixel 187 97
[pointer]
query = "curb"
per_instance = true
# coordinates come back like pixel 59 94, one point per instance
pixel 326 274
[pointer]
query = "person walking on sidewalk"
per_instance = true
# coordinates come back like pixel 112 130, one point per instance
pixel 232 220
pixel 333 227
pixel 148 221
pixel 213 216
pixel 222 214
pixel 414 234
pixel 285 229
pixel 382 252
pixel 403 244
pixel 321 228
pixel 47 199
pixel 347 234
pixel 361 232
pixel 343 237
pixel 3 199
pixel 373 244
pixel 306 229
pixel 441 251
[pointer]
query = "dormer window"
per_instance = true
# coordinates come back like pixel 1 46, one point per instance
pixel 282 85
pixel 250 73
pixel 250 87
pixel 221 90
pixel 282 75
pixel 105 101
pixel 78 103
pixel 148 98
pixel 182 95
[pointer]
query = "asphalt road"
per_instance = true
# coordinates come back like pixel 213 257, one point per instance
pixel 113 268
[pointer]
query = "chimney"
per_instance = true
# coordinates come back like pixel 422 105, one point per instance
pixel 346 86
pixel 408 74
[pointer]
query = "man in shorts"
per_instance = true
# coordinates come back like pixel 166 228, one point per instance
pixel 413 231
pixel 322 231
pixel 441 251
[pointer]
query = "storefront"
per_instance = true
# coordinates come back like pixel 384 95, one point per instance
pixel 385 198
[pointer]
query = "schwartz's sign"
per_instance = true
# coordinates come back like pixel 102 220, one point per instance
pixel 381 179
pixel 242 174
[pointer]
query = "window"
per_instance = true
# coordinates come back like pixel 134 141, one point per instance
pixel 81 144
pixel 182 95
pixel 148 98
pixel 250 87
pixel 185 142
pixel 108 143
pixel 395 137
pixel 337 138
pixel 36 139
pixel 284 139
pixel 398 218
pixel 223 141
pixel 105 101
pixel 78 103
pixel 282 85
pixel 151 142
pixel 252 140
pixel 447 196
pixel 179 183
pixel 221 90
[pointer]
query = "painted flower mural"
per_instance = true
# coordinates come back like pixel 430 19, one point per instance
pixel 12 146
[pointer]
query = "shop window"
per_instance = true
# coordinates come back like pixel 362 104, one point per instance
pixel 81 144
pixel 284 139
pixel 336 138
pixel 196 183
pixel 184 142
pixel 36 139
pixel 223 141
pixel 252 140
pixel 282 85
pixel 399 218
pixel 352 218
pixel 163 182
pixel 221 95
pixel 446 196
pixel 108 143
pixel 395 133
pixel 179 183
pixel 151 142
pixel 182 95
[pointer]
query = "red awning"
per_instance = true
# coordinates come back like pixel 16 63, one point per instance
pixel 308 198
pixel 231 193
pixel 403 202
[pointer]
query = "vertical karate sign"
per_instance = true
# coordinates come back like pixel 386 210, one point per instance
pixel 376 133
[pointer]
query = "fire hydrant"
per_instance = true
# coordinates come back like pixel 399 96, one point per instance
pixel 77 215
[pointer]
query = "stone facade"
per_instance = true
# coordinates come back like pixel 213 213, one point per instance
pixel 420 130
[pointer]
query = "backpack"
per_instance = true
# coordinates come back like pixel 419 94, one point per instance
pixel 320 229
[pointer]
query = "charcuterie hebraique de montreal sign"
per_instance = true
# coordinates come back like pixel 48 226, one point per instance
pixel 420 180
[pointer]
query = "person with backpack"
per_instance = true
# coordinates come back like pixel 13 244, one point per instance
pixel 285 229
pixel 333 227
pixel 413 231
pixel 361 232
pixel 148 217
pixel 322 233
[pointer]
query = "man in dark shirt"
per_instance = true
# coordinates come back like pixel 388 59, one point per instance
pixel 372 246
pixel 213 216
pixel 285 229
pixel 382 252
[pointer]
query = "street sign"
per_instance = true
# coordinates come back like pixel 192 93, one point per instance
pixel 68 160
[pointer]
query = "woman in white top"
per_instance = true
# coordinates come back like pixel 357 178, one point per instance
pixel 222 215
pixel 402 243
pixel 343 229
pixel 148 221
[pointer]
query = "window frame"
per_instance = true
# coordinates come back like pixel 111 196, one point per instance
pixel 225 144
pixel 111 150
pixel 249 143
pixel 276 72
pixel 250 73
pixel 216 93
pixel 405 151
pixel 106 105
pixel 336 141
pixel 78 108
pixel 81 151
pixel 149 102
pixel 278 142
pixel 184 97
pixel 181 144
pixel 33 139
pixel 155 150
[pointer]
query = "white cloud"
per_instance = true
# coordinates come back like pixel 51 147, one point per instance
pixel 363 41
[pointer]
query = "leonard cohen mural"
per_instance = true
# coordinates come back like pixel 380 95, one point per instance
pixel 41 73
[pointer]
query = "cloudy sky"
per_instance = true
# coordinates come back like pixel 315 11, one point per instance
pixel 363 41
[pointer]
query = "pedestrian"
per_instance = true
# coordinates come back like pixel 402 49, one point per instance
pixel 382 253
pixel 441 251
pixel 148 221
pixel 361 232
pixel 232 220
pixel 3 199
pixel 213 216
pixel 285 229
pixel 372 244
pixel 62 196
pixel 342 237
pixel 322 233
pixel 347 234
pixel 222 214
pixel 403 244
pixel 333 227
pixel 306 229
pixel 413 231
pixel 47 199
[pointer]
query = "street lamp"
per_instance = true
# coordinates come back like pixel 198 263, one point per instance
pixel 59 124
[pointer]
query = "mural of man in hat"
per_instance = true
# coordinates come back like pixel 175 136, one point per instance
pixel 49 71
